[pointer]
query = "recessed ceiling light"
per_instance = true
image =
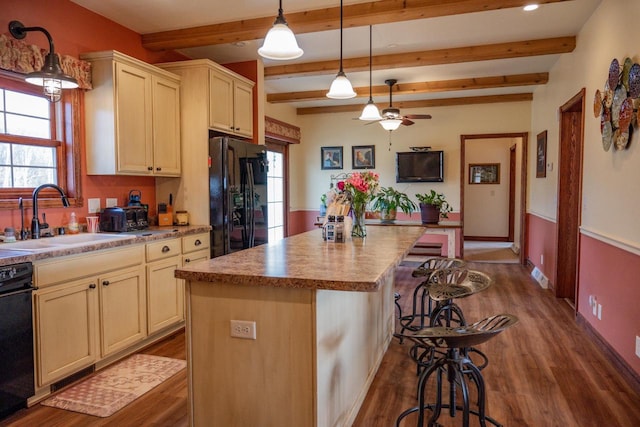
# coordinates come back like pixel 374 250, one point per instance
pixel 239 44
pixel 530 7
pixel 392 45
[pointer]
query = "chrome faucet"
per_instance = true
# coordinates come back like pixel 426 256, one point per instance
pixel 35 223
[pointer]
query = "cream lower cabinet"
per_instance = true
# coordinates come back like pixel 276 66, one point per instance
pixel 165 293
pixel 123 315
pixel 87 307
pixel 67 334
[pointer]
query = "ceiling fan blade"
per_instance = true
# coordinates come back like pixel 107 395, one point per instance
pixel 418 116
pixel 406 122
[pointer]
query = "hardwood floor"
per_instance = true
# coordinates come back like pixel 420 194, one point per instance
pixel 543 372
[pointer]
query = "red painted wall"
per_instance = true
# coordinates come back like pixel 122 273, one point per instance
pixel 541 240
pixel 76 30
pixel 611 275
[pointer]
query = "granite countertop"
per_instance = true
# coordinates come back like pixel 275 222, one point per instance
pixel 305 261
pixel 57 246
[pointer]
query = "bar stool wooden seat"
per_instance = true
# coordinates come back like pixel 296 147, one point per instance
pixel 457 366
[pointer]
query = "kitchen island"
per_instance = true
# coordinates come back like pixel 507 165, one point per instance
pixel 323 316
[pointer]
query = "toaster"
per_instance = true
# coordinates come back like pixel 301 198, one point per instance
pixel 117 219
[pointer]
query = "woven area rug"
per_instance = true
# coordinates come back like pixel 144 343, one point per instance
pixel 115 387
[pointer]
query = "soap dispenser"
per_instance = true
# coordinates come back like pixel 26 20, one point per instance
pixel 73 224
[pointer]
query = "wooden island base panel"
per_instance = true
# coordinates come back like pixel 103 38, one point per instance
pixel 323 316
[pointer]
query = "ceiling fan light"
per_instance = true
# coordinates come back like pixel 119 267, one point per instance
pixel 370 112
pixel 341 88
pixel 280 43
pixel 391 124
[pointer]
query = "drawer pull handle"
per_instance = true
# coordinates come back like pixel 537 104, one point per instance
pixel 197 242
pixel 149 168
pixel 105 283
pixel 187 260
pixel 158 169
pixel 165 249
pixel 92 286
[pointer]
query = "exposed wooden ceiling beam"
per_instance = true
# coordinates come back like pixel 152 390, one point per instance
pixel 429 103
pixel 422 87
pixel 517 49
pixel 355 15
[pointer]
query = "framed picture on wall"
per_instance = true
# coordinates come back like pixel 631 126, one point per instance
pixel 541 155
pixel 331 157
pixel 363 156
pixel 484 173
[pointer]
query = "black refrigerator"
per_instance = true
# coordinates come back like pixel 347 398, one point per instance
pixel 237 195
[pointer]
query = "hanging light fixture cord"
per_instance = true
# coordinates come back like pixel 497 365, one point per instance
pixel 370 61
pixel 341 71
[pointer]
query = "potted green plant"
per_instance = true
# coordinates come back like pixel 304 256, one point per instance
pixel 388 201
pixel 433 206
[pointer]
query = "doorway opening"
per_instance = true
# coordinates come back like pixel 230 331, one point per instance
pixel 492 208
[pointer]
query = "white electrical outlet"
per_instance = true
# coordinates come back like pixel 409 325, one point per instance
pixel 111 202
pixel 93 205
pixel 637 346
pixel 243 329
pixel 599 311
pixel 594 308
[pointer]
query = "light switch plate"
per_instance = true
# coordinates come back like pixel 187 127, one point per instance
pixel 111 202
pixel 93 205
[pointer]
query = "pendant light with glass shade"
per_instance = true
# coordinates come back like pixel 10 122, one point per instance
pixel 370 111
pixel 51 77
pixel 341 87
pixel 280 42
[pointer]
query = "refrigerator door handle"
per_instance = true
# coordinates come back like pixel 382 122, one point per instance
pixel 251 216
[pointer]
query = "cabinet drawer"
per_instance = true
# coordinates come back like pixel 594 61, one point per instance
pixel 194 257
pixel 197 242
pixel 65 269
pixel 163 249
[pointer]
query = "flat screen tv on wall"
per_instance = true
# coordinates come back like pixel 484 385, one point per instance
pixel 420 166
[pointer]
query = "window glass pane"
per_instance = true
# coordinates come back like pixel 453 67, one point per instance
pixel 29 155
pixel 5 177
pixel 30 177
pixel 30 105
pixel 28 126
pixel 275 164
pixel 1 99
pixel 5 154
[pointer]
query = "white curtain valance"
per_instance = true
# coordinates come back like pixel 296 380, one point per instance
pixel 23 58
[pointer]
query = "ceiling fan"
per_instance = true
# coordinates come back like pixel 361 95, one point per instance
pixel 391 117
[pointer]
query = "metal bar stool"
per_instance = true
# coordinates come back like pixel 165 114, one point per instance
pixel 458 368
pixel 417 319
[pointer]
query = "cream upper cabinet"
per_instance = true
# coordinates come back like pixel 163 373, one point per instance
pixel 230 103
pixel 132 117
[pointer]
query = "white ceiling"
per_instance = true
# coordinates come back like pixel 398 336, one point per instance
pixel 471 29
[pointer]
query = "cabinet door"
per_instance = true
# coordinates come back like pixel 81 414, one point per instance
pixel 123 311
pixel 243 109
pixel 133 120
pixel 165 294
pixel 220 101
pixel 166 127
pixel 66 329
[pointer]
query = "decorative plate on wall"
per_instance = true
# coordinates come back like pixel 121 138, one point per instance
pixel 617 104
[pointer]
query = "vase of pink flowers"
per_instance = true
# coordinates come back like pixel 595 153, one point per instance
pixel 361 186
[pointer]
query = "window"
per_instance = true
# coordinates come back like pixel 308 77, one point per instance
pixel 38 142
pixel 28 159
pixel 275 196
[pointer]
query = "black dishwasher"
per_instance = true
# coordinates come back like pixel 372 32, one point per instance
pixel 16 337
